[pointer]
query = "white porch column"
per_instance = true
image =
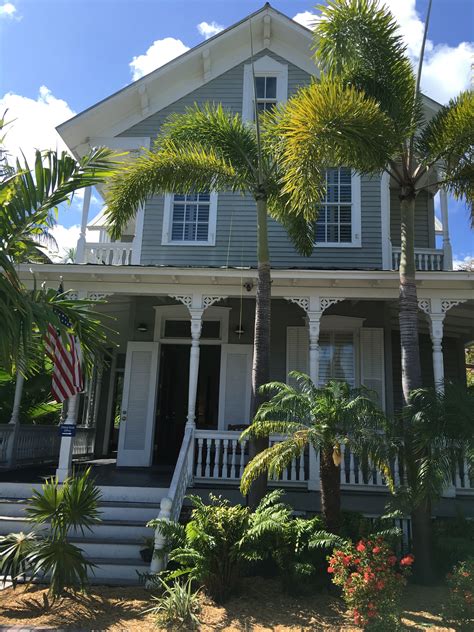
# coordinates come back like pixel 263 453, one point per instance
pixel 67 443
pixel 447 248
pixel 15 419
pixel 196 326
pixel 436 332
pixel 81 242
pixel 314 324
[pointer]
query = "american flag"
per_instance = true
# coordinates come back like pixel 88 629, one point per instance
pixel 65 354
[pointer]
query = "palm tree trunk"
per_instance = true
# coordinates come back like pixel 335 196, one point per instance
pixel 411 371
pixel 330 477
pixel 408 309
pixel 261 344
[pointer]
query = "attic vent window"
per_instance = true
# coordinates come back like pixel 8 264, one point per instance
pixel 265 92
pixel 271 86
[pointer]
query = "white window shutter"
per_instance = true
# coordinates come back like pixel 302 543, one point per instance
pixel 373 361
pixel 297 350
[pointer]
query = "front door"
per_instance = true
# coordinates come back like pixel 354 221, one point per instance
pixel 135 448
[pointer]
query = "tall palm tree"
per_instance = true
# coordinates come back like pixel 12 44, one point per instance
pixel 361 53
pixel 210 148
pixel 324 418
pixel 29 197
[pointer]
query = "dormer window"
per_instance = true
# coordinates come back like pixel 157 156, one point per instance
pixel 271 86
pixel 190 219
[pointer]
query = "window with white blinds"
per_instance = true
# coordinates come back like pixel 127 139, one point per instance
pixel 336 357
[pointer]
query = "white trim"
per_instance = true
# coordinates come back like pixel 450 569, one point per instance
pixel 385 221
pixel 181 312
pixel 264 67
pixel 247 350
pixel 138 239
pixel 167 214
pixel 356 218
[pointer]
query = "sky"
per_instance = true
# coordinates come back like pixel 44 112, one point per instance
pixel 59 57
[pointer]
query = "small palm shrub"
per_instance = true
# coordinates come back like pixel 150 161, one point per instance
pixel 372 580
pixel 460 607
pixel 48 554
pixel 177 606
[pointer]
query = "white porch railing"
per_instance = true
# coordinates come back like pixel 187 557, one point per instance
pixel 116 253
pixel 426 259
pixel 37 444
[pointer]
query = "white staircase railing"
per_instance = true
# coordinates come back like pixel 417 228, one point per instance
pixel 171 505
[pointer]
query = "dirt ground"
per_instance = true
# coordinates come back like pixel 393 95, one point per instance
pixel 260 608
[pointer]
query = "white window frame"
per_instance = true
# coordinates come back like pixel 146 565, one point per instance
pixel 264 67
pixel 356 241
pixel 167 223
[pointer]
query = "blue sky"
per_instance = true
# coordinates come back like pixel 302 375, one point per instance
pixel 61 56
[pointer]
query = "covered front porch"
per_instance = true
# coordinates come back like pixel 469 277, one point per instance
pixel 176 392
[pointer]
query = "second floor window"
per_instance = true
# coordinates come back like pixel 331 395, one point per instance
pixel 190 218
pixel 338 222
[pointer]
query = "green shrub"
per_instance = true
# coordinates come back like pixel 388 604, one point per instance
pixel 48 554
pixel 177 606
pixel 460 607
pixel 372 582
pixel 453 541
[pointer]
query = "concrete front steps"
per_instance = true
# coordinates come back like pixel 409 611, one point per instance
pixel 114 544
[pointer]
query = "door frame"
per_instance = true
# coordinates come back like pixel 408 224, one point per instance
pixel 225 350
pixel 139 458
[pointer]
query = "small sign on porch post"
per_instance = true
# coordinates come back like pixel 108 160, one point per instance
pixel 67 430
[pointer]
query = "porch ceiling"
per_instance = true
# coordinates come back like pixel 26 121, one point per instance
pixel 136 280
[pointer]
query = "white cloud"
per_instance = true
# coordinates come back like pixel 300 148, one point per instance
pixel 461 263
pixel 208 29
pixel 33 122
pixel 66 238
pixel 446 69
pixel 159 53
pixel 8 10
pixel 306 18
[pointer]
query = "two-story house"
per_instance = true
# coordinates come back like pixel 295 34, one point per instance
pixel 181 285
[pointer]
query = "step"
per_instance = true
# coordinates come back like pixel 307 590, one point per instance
pixel 111 547
pixel 119 571
pixel 124 529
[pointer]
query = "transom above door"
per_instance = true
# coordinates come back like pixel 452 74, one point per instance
pixel 173 325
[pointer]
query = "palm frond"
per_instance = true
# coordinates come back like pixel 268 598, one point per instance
pixel 182 168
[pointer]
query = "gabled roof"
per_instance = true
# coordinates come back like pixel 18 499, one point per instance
pixel 270 29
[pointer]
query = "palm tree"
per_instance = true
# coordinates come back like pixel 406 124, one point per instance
pixel 361 53
pixel 29 197
pixel 324 418
pixel 206 149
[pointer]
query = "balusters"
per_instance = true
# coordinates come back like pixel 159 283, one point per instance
pixel 301 476
pixel 199 458
pixel 343 464
pixel 293 470
pixel 242 458
pixel 207 469
pixel 224 459
pixel 352 478
pixel 467 480
pixel 233 473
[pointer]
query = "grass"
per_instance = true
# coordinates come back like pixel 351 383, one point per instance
pixel 260 608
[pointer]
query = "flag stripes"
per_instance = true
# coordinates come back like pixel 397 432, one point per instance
pixel 65 354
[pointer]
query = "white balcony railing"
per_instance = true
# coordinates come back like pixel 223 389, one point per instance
pixel 426 259
pixel 112 254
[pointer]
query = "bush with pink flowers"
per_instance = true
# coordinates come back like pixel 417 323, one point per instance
pixel 372 579
pixel 461 593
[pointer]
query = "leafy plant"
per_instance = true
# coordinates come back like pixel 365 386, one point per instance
pixel 323 418
pixel 15 556
pixel 372 580
pixel 178 605
pixel 47 553
pixel 460 606
pixel 453 541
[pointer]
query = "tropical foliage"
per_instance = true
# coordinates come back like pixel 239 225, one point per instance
pixel 208 149
pixel 29 199
pixel 460 606
pixel 372 580
pixel 367 112
pixel 178 606
pixel 323 418
pixel 37 405
pixel 48 554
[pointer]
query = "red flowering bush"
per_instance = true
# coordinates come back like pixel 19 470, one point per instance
pixel 372 581
pixel 461 592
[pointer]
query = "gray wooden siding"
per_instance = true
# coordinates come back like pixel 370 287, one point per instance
pixel 236 224
pixel 424 220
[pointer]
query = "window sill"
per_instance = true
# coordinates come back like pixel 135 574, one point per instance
pixel 188 243
pixel 352 244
